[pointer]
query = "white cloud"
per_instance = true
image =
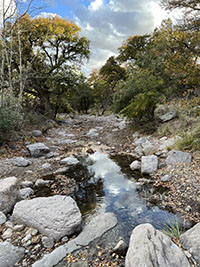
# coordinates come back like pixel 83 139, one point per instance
pixel 47 15
pixel 95 5
pixel 108 23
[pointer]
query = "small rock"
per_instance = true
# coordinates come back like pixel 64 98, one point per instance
pixel 61 170
pixel 135 135
pixel 121 248
pixel 162 165
pixel 135 165
pixel 2 218
pixel 176 156
pixel 21 162
pixel 141 141
pixel 38 150
pixel 26 192
pixel 36 133
pixel 188 208
pixel 26 238
pixel 46 165
pixel 47 242
pixel 166 178
pixel 168 116
pixel 65 239
pixel 18 227
pixel 41 182
pixel 25 184
pixel 144 181
pixel 7 234
pixel 32 232
pixel 9 224
pixel 71 160
pixel 149 164
pixel 93 132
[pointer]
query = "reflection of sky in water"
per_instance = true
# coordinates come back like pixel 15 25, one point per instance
pixel 114 180
pixel 122 197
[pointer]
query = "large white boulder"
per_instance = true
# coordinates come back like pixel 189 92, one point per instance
pixel 149 248
pixel 54 217
pixel 9 194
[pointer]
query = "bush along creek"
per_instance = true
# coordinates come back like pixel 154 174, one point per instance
pixel 74 199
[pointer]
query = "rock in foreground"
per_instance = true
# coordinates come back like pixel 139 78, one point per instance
pixel 96 228
pixel 54 217
pixel 149 248
pixel 190 240
pixel 9 254
pixel 9 194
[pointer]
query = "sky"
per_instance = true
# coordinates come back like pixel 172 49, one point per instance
pixel 107 23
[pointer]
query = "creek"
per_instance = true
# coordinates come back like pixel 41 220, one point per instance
pixel 107 184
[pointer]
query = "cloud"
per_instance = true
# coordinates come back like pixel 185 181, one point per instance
pixel 47 15
pixel 108 23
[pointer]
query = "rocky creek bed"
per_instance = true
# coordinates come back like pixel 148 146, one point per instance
pixel 48 218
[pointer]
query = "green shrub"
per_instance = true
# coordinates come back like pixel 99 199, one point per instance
pixel 9 121
pixel 137 97
pixel 142 106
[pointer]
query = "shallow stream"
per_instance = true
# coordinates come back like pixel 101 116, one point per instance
pixel 107 184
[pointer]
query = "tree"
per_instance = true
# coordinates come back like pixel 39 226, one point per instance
pixel 52 42
pixel 132 46
pixel 193 5
pixel 81 96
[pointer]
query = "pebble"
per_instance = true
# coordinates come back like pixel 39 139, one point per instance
pixel 2 218
pixel 7 234
pixel 26 238
pixel 166 178
pixel 65 239
pixel 188 208
pixel 9 224
pixel 18 227
pixel 31 232
pixel 25 184
pixel 41 182
pixel 46 165
pixel 47 242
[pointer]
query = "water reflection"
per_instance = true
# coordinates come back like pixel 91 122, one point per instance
pixel 104 185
